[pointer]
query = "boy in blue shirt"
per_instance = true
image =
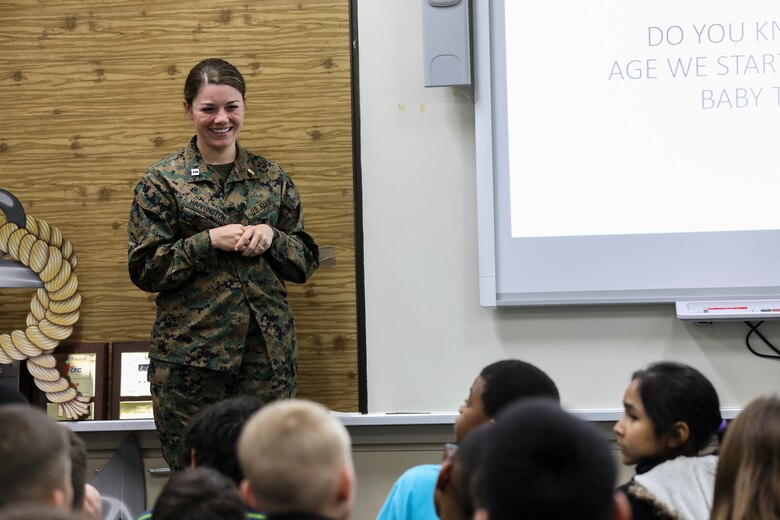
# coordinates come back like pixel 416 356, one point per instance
pixel 498 385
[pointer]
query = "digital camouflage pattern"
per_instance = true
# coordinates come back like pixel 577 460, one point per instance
pixel 223 325
pixel 206 297
pixel 179 391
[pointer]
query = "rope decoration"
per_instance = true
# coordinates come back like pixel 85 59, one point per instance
pixel 53 310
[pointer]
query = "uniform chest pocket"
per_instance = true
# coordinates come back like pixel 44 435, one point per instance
pixel 195 220
pixel 266 216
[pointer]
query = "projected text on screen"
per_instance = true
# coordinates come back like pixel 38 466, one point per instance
pixel 624 119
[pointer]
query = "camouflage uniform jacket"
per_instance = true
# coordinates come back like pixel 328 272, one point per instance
pixel 206 296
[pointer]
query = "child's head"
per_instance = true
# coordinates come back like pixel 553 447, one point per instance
pixel 539 461
pixel 36 458
pixel 203 493
pixel 297 457
pixel 455 494
pixel 747 482
pixel 671 409
pixel 498 385
pixel 211 436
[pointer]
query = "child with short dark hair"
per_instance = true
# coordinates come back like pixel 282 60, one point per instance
pixel 211 436
pixel 455 495
pixel 672 412
pixel 539 462
pixel 199 494
pixel 210 440
pixel 497 386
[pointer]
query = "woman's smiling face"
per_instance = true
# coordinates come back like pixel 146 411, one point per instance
pixel 218 115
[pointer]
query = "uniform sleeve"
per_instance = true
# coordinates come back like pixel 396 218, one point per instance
pixel 294 255
pixel 157 259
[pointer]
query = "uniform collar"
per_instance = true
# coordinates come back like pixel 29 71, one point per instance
pixel 194 161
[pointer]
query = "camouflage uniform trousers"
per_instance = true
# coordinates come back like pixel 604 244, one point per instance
pixel 180 391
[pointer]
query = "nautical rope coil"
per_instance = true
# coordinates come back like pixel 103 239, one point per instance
pixel 53 310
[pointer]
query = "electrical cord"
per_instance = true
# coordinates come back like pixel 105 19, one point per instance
pixel 754 330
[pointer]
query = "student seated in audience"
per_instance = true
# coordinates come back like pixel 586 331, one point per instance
pixel 498 385
pixel 211 436
pixel 747 482
pixel 542 463
pixel 35 455
pixel 199 494
pixel 210 439
pixel 86 498
pixel 35 511
pixel 672 412
pixel 297 462
pixel 456 488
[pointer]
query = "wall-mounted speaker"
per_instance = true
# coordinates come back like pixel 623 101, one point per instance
pixel 447 42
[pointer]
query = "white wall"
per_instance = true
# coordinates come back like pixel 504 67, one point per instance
pixel 427 336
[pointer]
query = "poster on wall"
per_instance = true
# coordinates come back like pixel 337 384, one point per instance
pixel 84 366
pixel 132 397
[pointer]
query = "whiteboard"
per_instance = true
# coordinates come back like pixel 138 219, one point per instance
pixel 625 151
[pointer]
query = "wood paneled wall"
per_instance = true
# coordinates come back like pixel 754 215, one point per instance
pixel 92 95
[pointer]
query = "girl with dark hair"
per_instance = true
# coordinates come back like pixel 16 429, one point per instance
pixel 216 231
pixel 672 413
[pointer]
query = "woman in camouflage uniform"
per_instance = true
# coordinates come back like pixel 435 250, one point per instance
pixel 216 231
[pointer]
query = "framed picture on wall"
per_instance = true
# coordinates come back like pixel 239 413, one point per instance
pixel 84 365
pixel 131 397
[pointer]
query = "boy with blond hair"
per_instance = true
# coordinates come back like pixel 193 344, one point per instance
pixel 297 462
